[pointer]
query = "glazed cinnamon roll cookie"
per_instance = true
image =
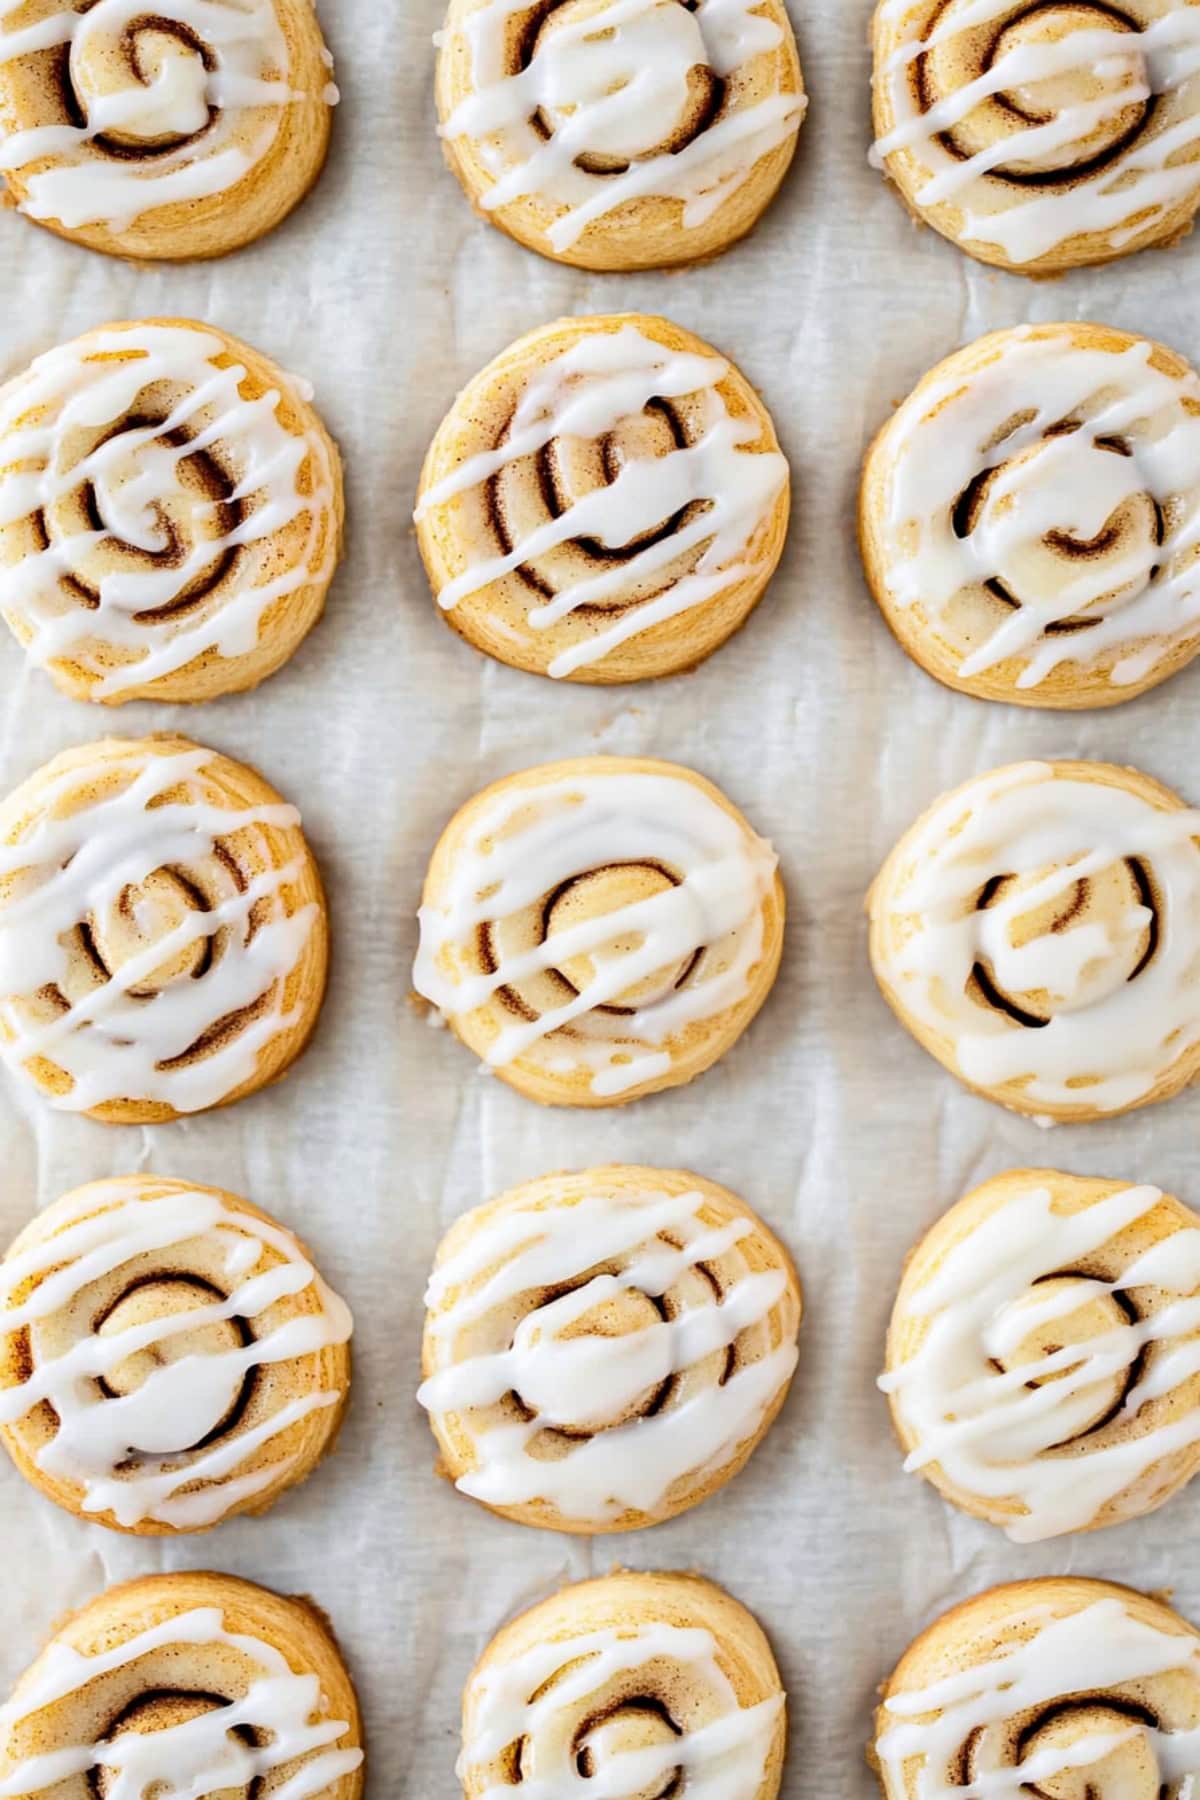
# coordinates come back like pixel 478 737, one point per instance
pixel 600 929
pixel 604 1350
pixel 162 133
pixel 620 134
pixel 1038 931
pixel 1046 136
pixel 201 1680
pixel 170 513
pixel 1056 1687
pixel 163 935
pixel 1043 1363
pixel 644 1684
pixel 605 502
pixel 1030 517
pixel 169 1356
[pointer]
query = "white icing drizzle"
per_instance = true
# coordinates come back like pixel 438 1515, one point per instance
pixel 226 115
pixel 614 83
pixel 527 842
pixel 66 869
pixel 1143 598
pixel 527 1697
pixel 1142 182
pixel 123 1451
pixel 991 1426
pixel 580 1382
pixel 138 477
pixel 202 1755
pixel 1100 1648
pixel 1111 1038
pixel 585 392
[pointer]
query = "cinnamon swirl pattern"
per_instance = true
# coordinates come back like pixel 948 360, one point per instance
pixel 163 939
pixel 169 1356
pixel 1030 517
pixel 1039 933
pixel 180 130
pixel 600 929
pixel 604 1350
pixel 197 1684
pixel 620 134
pixel 1042 136
pixel 633 1684
pixel 170 513
pixel 1054 1687
pixel 1044 1353
pixel 605 502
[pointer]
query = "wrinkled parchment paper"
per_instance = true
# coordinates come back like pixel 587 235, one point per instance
pixel 389 294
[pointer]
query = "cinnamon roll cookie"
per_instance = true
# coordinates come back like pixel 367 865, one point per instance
pixel 170 513
pixel 1030 517
pixel 644 1684
pixel 1038 931
pixel 620 134
pixel 168 132
pixel 604 1350
pixel 163 935
pixel 201 1684
pixel 1042 136
pixel 1043 1363
pixel 600 929
pixel 605 502
pixel 169 1356
pixel 1058 1687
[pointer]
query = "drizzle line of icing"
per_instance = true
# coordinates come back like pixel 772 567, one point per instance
pixel 136 477
pixel 990 1420
pixel 613 83
pixel 585 392
pixel 124 1451
pixel 203 1755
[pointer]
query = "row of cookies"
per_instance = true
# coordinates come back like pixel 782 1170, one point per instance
pixel 614 134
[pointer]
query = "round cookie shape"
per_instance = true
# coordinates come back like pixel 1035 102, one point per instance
pixel 1043 1364
pixel 163 933
pixel 1030 517
pixel 620 134
pixel 1054 1686
pixel 169 1356
pixel 162 136
pixel 636 1681
pixel 1041 137
pixel 605 502
pixel 200 1677
pixel 600 929
pixel 170 513
pixel 1038 931
pixel 605 1350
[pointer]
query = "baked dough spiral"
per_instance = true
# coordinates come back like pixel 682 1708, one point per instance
pixel 1038 931
pixel 1042 136
pixel 1030 517
pixel 605 502
pixel 620 134
pixel 604 1350
pixel 600 929
pixel 169 1356
pixel 645 1684
pixel 199 1684
pixel 184 129
pixel 1071 1689
pixel 163 936
pixel 170 513
pixel 1043 1363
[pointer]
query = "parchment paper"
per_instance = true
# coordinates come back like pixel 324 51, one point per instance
pixel 389 293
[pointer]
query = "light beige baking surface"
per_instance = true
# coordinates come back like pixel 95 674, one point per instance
pixel 826 1119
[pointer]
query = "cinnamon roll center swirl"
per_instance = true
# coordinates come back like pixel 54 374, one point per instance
pixel 142 91
pixel 162 1302
pixel 169 1709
